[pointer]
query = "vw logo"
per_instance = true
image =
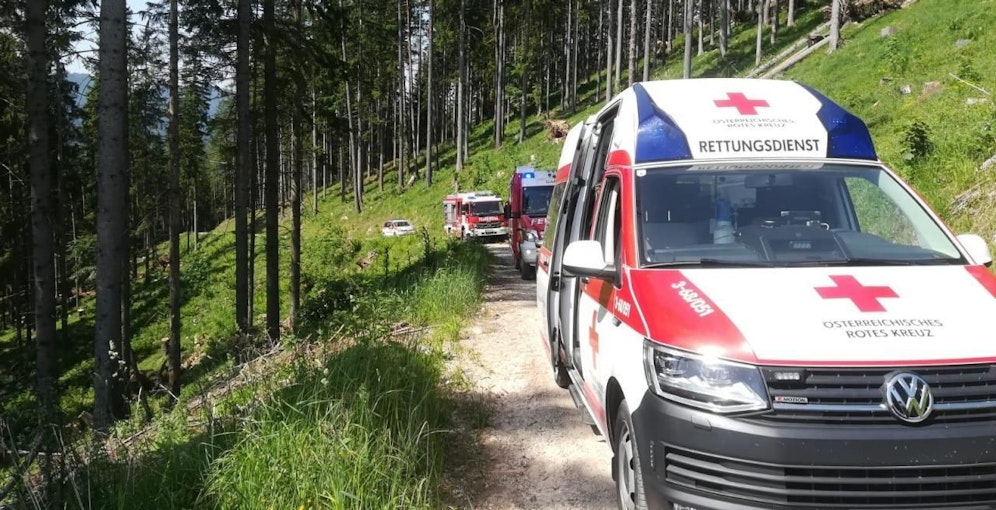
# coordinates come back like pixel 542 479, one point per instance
pixel 908 396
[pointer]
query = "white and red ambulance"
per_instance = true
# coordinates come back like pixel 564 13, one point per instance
pixel 757 313
pixel 475 215
pixel 529 193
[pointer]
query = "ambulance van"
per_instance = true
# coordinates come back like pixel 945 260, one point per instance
pixel 756 312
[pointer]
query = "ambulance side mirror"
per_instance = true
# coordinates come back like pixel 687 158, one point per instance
pixel 584 258
pixel 976 247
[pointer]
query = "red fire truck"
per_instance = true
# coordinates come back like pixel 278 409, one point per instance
pixel 528 200
pixel 475 215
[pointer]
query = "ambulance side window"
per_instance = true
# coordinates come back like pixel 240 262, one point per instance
pixel 597 160
pixel 608 226
pixel 552 215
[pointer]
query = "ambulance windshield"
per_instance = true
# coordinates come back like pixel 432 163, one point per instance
pixel 489 207
pixel 536 200
pixel 789 215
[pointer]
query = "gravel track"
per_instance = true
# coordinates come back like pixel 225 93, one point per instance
pixel 537 452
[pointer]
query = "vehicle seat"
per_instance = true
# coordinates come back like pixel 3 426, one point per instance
pixel 772 201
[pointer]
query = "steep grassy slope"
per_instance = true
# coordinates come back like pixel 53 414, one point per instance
pixel 938 134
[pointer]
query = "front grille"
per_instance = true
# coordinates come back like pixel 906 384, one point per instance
pixel 834 395
pixel 830 486
pixel 489 224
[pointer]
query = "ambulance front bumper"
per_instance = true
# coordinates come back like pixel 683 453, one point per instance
pixel 701 460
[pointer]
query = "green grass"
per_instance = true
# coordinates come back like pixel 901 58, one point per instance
pixel 866 74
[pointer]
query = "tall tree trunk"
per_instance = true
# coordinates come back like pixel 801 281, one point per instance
pixel 760 31
pixel 295 256
pixel 687 19
pixel 173 346
pixel 461 78
pixel 670 26
pixel 633 17
pixel 774 20
pixel 724 26
pixel 402 133
pixel 112 165
pixel 428 100
pixel 609 55
pixel 646 39
pixel 619 44
pixel 791 13
pixel 314 151
pixel 834 26
pixel 272 173
pixel 499 72
pixel 569 41
pixel 359 167
pixel 701 27
pixel 574 57
pixel 42 213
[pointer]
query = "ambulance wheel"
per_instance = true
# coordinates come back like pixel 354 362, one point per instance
pixel 528 271
pixel 629 476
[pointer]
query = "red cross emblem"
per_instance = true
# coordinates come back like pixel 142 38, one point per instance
pixel 865 298
pixel 593 339
pixel 741 103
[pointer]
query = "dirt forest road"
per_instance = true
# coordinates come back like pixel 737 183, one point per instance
pixel 537 451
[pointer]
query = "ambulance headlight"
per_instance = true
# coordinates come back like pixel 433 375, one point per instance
pixel 532 236
pixel 699 381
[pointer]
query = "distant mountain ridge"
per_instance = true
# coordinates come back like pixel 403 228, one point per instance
pixel 84 81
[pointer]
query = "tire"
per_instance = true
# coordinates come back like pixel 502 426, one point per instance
pixel 629 477
pixel 527 271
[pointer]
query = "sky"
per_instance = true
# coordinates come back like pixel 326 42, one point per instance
pixel 89 42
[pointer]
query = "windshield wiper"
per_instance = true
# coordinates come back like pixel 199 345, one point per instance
pixel 871 261
pixel 708 262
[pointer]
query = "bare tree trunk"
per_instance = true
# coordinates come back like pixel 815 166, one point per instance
pixel 402 134
pixel 499 72
pixel 619 38
pixel 670 26
pixel 242 166
pixel 272 174
pixel 760 30
pixel 569 41
pixel 646 40
pixel 428 108
pixel 173 346
pixel 791 13
pixel 574 58
pixel 724 26
pixel 314 152
pixel 112 165
pixel 462 76
pixel 774 20
pixel 633 17
pixel 701 28
pixel 608 54
pixel 295 256
pixel 689 6
pixel 834 26
pixel 43 213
